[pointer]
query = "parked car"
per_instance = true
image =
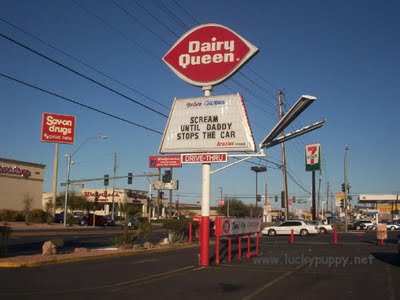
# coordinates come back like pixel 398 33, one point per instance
pixel 359 224
pixel 134 222
pixel 299 228
pixel 322 228
pixel 99 220
pixel 59 218
pixel 389 226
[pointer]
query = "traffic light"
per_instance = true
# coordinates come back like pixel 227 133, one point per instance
pixel 96 196
pixel 343 187
pixel 348 188
pixel 106 180
pixel 130 177
pixel 167 177
pixel 342 203
pixel 283 202
pixel 258 198
pixel 276 198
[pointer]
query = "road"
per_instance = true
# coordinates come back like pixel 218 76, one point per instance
pixel 311 268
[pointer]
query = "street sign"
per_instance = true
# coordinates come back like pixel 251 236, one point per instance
pixel 160 185
pixel 77 186
pixel 172 161
pixel 208 55
pixel 208 124
pixel 58 128
pixel 204 158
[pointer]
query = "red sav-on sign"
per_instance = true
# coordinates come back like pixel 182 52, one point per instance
pixel 58 128
pixel 208 54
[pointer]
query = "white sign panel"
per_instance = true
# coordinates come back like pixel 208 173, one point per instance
pixel 159 185
pixel 208 124
pixel 236 226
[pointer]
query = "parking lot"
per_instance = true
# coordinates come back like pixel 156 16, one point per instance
pixel 311 268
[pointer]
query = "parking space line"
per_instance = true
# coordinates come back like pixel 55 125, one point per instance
pixel 148 279
pixel 271 283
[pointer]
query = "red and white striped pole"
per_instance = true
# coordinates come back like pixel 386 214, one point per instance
pixel 205 206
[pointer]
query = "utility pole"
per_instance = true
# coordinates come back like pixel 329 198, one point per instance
pixel 280 94
pixel 345 187
pixel 319 192
pixel 327 198
pixel 113 188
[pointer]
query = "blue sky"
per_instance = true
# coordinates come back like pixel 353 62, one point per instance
pixel 346 53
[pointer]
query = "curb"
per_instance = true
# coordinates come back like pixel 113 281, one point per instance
pixel 54 260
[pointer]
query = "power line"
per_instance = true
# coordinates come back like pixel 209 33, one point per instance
pixel 82 62
pixel 78 103
pixel 80 74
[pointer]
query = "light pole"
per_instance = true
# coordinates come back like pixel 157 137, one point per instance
pixel 258 170
pixel 69 161
pixel 346 148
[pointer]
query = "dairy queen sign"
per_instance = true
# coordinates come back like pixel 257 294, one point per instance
pixel 208 54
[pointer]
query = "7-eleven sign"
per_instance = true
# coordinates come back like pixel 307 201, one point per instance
pixel 313 157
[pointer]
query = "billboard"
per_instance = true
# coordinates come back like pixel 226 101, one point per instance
pixel 313 157
pixel 58 128
pixel 238 226
pixel 171 161
pixel 208 55
pixel 208 124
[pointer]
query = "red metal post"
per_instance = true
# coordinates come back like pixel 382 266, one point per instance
pixel 248 246
pixel 335 239
pixel 382 242
pixel 239 247
pixel 204 240
pixel 229 249
pixel 190 232
pixel 257 243
pixel 291 236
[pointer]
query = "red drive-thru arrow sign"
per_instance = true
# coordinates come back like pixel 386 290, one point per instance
pixel 204 158
pixel 208 55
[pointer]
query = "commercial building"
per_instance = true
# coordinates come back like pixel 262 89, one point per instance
pixel 20 182
pixel 385 205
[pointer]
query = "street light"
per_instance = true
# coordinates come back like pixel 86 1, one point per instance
pixel 258 170
pixel 69 161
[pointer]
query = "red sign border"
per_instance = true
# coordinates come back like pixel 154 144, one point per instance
pixel 253 50
pixel 53 141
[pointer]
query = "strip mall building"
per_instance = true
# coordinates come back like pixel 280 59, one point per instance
pixel 20 181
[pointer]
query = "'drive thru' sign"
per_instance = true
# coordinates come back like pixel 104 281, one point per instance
pixel 208 54
pixel 204 158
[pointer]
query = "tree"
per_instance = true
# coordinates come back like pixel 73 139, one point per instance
pixel 27 207
pixel 75 201
pixel 236 208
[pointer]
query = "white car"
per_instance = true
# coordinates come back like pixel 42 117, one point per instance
pixel 299 228
pixel 389 226
pixel 323 228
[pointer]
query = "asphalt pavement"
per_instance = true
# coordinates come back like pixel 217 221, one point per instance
pixel 311 268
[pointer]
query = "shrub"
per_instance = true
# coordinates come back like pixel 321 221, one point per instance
pixel 18 216
pixel 39 216
pixel 125 239
pixel 59 243
pixel 178 228
pixel 6 215
pixel 5 232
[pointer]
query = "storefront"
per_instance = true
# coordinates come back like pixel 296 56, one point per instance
pixel 104 199
pixel 20 182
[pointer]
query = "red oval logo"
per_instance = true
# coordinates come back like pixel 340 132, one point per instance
pixel 208 55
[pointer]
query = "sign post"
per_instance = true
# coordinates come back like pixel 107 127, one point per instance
pixel 206 56
pixel 313 163
pixel 57 129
